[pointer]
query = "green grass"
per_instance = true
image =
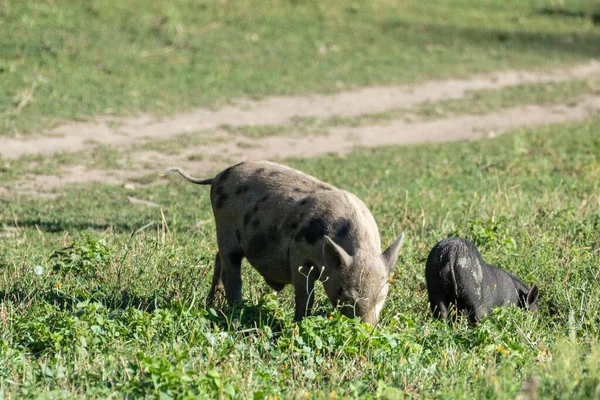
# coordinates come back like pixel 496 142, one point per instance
pixel 66 60
pixel 119 305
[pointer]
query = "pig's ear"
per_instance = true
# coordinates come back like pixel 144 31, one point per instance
pixel 390 255
pixel 532 295
pixel 335 256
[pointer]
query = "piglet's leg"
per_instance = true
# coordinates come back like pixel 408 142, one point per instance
pixel 438 300
pixel 439 309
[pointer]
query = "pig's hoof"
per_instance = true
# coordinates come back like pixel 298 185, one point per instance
pixel 216 296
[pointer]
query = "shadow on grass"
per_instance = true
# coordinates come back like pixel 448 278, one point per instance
pixel 58 226
pixel 245 318
pixel 561 12
pixel 68 301
pixel 580 44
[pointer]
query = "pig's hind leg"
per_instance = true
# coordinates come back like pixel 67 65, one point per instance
pixel 231 265
pixel 217 282
pixel 439 308
pixel 438 300
pixel 474 312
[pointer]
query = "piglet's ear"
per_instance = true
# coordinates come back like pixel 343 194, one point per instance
pixel 532 295
pixel 390 255
pixel 335 256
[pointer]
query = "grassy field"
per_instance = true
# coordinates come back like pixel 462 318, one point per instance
pixel 101 296
pixel 66 60
pixel 104 297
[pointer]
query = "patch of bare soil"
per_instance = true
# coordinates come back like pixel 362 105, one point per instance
pixel 343 139
pixel 274 111
pixel 46 184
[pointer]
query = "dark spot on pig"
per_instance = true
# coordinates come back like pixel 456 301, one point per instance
pixel 303 202
pixel 259 171
pixel 242 189
pixel 274 173
pixel 258 245
pixel 247 218
pixel 255 223
pixel 255 208
pixel 235 257
pixel 312 232
pixel 219 189
pixel 323 187
pixel 238 236
pixel 264 198
pixel 300 190
pixel 221 200
pixel 294 221
pixel 343 229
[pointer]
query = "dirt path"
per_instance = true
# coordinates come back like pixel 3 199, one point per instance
pixel 275 111
pixel 344 139
pixel 202 159
pixel 339 140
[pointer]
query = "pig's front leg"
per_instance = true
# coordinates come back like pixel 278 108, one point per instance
pixel 304 285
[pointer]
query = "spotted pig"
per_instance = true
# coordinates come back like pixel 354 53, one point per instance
pixel 457 275
pixel 294 229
